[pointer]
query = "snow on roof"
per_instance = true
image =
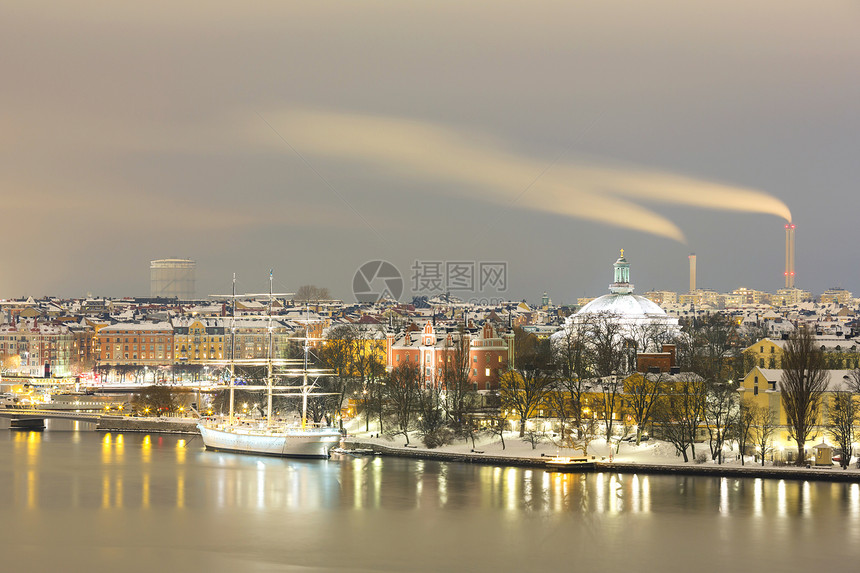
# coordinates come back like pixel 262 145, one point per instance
pixel 837 380
pixel 137 326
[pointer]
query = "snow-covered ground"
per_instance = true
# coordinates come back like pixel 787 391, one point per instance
pixel 651 452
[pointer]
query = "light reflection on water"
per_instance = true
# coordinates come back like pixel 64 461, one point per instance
pixel 86 481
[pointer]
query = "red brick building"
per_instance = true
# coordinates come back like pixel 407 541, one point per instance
pixel 657 361
pixel 488 354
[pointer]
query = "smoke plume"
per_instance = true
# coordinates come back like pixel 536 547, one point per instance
pixel 604 194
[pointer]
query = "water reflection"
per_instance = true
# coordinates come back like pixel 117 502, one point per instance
pixel 154 471
pixel 94 490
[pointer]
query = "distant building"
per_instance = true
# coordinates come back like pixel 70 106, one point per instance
pixel 33 348
pixel 172 278
pixel 662 297
pixel 836 296
pixel 790 296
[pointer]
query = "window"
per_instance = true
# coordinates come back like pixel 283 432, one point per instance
pixel 771 349
pixel 486 372
pixel 475 359
pixel 761 362
pixel 755 390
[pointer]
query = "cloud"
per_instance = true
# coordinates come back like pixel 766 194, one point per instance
pixel 420 150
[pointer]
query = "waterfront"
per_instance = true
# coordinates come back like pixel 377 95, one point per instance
pixel 106 501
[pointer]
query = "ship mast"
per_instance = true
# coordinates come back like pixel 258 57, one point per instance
pixel 305 370
pixel 232 348
pixel 269 368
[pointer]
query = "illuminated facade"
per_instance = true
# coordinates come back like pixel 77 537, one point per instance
pixel 33 348
pixel 489 355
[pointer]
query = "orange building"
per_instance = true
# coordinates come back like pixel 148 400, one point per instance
pixel 132 344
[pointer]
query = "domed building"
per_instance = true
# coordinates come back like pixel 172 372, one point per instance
pixel 641 320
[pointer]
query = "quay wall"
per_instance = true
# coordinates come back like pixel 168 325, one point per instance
pixel 162 425
pixel 834 473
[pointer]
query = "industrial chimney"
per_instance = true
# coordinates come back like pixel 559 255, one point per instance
pixel 692 273
pixel 789 255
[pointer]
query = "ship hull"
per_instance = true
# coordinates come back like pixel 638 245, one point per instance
pixel 290 443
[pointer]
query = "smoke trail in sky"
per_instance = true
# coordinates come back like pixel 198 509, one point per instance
pixel 608 195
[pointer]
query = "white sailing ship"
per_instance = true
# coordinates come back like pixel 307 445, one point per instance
pixel 272 438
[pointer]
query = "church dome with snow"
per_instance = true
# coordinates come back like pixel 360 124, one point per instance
pixel 633 312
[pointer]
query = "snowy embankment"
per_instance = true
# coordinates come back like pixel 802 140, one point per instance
pixel 653 456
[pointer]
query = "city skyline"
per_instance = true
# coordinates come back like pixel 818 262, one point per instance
pixel 136 134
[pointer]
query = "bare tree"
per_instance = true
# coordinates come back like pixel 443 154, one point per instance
pixel 459 396
pixel 852 379
pixel 338 354
pixel 498 424
pixel 558 399
pixel 401 389
pixel 649 336
pixel 804 380
pixel 367 368
pixel 431 415
pixel 643 392
pixel 843 411
pixel 311 293
pixel 606 340
pixel 680 412
pixel 524 388
pixel 154 400
pixel 587 433
pixel 720 411
pixel 572 355
pixel 764 427
pixel 533 437
pixel 709 346
pixel 742 425
pixel 610 402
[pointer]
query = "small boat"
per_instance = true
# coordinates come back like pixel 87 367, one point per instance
pixel 567 464
pixel 354 451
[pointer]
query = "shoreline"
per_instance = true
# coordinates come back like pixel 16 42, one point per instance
pixel 834 473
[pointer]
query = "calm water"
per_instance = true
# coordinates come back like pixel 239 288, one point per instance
pixel 81 500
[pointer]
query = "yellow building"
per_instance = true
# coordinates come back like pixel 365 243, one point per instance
pixel 662 297
pixel 836 296
pixel 838 353
pixel 198 341
pixel 765 353
pixel 761 386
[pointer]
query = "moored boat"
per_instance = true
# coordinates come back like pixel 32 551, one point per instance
pixel 271 438
pixel 567 464
pixel 274 441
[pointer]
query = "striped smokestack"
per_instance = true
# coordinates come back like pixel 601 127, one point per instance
pixel 692 272
pixel 789 255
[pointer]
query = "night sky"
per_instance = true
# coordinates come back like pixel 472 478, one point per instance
pixel 311 137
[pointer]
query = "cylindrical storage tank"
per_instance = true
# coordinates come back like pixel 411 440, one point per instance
pixel 171 278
